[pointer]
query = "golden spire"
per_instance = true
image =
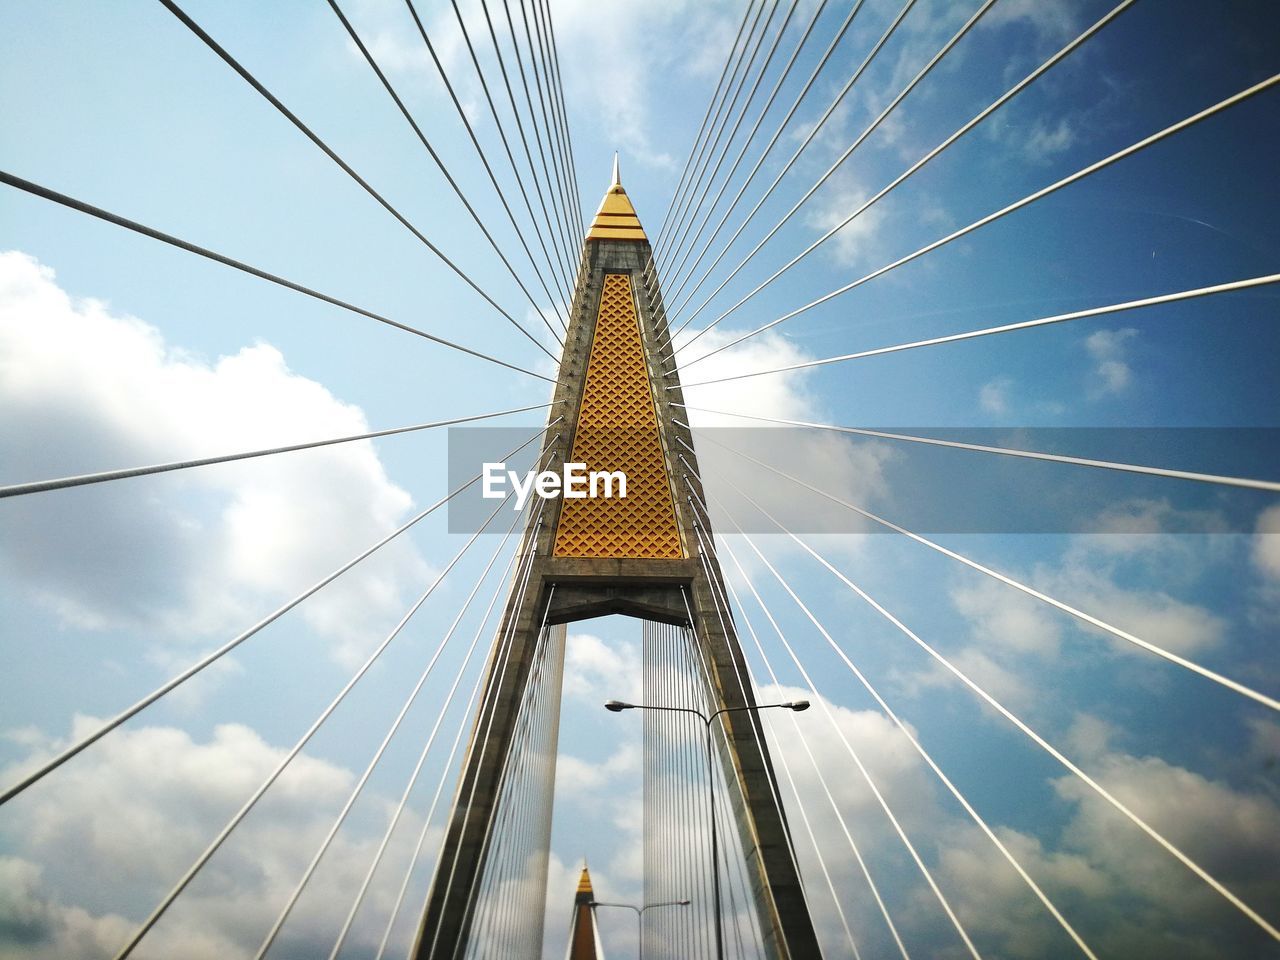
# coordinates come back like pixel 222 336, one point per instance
pixel 584 938
pixel 616 219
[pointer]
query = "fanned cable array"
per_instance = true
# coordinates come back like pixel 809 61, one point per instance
pixel 733 786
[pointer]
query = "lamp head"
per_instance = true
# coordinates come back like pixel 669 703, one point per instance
pixel 683 903
pixel 798 705
pixel 617 706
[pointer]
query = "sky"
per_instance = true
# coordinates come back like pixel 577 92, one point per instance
pixel 116 351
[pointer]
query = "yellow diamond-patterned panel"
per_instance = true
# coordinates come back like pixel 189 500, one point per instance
pixel 618 430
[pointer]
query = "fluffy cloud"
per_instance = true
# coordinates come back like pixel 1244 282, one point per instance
pixel 1051 20
pixel 197 553
pixel 596 671
pixel 1125 895
pixel 852 242
pixel 139 807
pixel 993 397
pixel 1010 619
pixel 1266 544
pixel 1109 352
pixel 851 469
pixel 1119 576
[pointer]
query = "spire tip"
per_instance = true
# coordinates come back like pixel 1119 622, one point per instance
pixel 616 181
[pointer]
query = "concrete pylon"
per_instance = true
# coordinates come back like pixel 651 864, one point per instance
pixel 637 556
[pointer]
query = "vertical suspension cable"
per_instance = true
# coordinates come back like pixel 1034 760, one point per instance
pixel 565 261
pixel 444 171
pixel 674 273
pixel 707 180
pixel 723 610
pixel 717 125
pixel 537 66
pixel 511 785
pixel 924 870
pixel 546 56
pixel 786 120
pixel 555 269
pixel 564 112
pixel 912 739
pixel 386 741
pixel 781 754
pixel 746 685
pixel 546 168
pixel 498 666
pixel 853 846
pixel 488 712
pixel 386 839
pixel 511 854
pixel 523 571
pixel 746 15
pixel 809 138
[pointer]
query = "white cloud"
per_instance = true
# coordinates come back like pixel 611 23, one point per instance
pixel 1266 544
pixel 1053 20
pixel 581 781
pixel 1108 349
pixel 207 550
pixel 139 807
pixel 1233 834
pixel 595 670
pixel 1045 140
pixel 856 239
pixel 994 903
pixel 1006 617
pixel 1121 579
pixel 853 469
pixel 1152 614
pixel 993 397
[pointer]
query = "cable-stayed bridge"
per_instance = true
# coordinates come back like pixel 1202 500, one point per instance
pixel 1067 757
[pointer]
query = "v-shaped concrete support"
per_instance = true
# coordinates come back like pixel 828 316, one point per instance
pixel 637 556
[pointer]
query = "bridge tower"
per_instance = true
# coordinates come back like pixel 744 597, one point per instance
pixel 584 938
pixel 638 556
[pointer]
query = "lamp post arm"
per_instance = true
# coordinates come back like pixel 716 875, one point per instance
pixel 602 903
pixel 744 709
pixel 697 713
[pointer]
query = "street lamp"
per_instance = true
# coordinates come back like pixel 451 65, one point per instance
pixel 639 914
pixel 617 706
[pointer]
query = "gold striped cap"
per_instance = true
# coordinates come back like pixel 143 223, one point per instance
pixel 616 219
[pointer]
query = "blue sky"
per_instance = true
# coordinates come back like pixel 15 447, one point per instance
pixel 118 351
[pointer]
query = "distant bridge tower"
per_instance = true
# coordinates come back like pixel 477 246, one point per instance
pixel 584 938
pixel 637 556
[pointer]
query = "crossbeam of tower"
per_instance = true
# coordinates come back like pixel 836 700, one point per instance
pixel 647 555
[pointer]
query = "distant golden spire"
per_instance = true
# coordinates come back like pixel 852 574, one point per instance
pixel 584 938
pixel 616 219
